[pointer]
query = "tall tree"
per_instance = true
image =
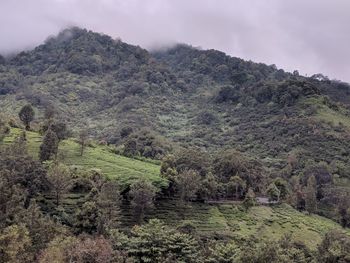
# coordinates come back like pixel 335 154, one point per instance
pixel 249 199
pixel 4 129
pixel 142 195
pixel 310 195
pixel 41 227
pixel 273 193
pixel 238 184
pixel 188 183
pixel 49 146
pixel 282 186
pixel 344 208
pixel 26 115
pixel 209 187
pixel 108 203
pixel 86 218
pixel 60 180
pixel 83 137
pixel 11 199
pixel 58 127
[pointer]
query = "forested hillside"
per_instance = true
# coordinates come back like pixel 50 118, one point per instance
pixel 179 134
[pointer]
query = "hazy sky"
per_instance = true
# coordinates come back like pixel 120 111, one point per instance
pixel 311 36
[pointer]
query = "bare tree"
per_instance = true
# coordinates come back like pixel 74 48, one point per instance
pixel 83 138
pixel 60 180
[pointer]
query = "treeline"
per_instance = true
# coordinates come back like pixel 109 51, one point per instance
pixel 195 176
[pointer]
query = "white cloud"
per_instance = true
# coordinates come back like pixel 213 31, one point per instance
pixel 311 36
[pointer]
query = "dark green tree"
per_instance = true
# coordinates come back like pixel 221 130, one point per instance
pixel 223 253
pixel 26 115
pixel 49 146
pixel 249 199
pixel 335 247
pixel 273 193
pixel 310 195
pixel 237 184
pixel 86 218
pixel 142 194
pixel 188 183
pixel 11 201
pixel 283 187
pixel 155 242
pixel 58 127
pixel 108 204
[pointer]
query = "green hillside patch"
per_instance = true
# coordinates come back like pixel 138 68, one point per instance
pixel 124 170
pixel 327 114
pixel 260 221
pixel 336 118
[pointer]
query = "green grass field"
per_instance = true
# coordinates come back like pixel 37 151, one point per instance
pixel 124 170
pixel 260 221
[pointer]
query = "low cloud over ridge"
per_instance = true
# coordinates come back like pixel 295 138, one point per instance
pixel 311 36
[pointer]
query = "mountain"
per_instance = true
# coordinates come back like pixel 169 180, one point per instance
pixel 178 154
pixel 185 97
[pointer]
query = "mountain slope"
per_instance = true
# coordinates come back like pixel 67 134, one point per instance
pixel 187 97
pixel 97 157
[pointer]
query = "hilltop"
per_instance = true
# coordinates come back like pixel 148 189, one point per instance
pixel 201 98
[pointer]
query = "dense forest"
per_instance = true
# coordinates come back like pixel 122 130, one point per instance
pixel 112 153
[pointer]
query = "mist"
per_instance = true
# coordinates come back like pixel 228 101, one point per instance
pixel 310 36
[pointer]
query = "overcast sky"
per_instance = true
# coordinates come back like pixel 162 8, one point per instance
pixel 312 36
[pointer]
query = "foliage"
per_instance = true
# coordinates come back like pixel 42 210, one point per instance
pixel 60 180
pixel 58 127
pixel 155 242
pixel 14 244
pixel 249 199
pixel 20 171
pixel 108 203
pixel 26 115
pixel 49 146
pixel 142 194
pixel 310 196
pixel 188 184
pixel 334 248
pixel 96 157
pixel 224 128
pixel 146 144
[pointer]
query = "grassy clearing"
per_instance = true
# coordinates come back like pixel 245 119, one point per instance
pixel 123 169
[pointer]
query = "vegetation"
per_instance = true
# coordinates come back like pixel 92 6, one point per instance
pixel 180 155
pixel 26 115
pixel 96 158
